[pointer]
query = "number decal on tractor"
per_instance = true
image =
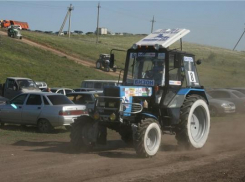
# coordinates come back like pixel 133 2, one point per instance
pixel 192 77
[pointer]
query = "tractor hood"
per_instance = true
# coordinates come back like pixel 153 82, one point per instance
pixel 163 37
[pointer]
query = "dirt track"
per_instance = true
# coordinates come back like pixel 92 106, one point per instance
pixel 222 159
pixel 61 54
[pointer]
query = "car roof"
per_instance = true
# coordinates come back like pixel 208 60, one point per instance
pixel 221 89
pixel 86 92
pixel 19 78
pixel 113 81
pixel 42 93
pixel 60 88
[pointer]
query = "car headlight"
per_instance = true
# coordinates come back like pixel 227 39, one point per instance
pixel 225 105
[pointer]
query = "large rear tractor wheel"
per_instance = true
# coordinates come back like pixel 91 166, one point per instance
pixel 84 133
pixel 147 138
pixel 193 129
pixel 98 65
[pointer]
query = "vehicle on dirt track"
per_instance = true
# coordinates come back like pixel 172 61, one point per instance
pixel 103 62
pixel 160 94
pixel 14 32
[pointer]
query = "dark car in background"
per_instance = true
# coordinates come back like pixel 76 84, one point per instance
pixel 85 98
pixel 83 89
pixel 219 107
pixel 78 31
pixel 239 89
pixel 233 96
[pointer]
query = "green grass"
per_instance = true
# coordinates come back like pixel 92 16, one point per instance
pixel 220 67
pixel 14 133
pixel 22 60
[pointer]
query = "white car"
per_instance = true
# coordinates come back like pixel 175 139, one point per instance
pixel 41 85
pixel 63 91
pixel 44 109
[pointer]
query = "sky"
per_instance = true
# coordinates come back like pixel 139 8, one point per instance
pixel 213 23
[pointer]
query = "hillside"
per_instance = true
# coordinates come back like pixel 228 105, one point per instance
pixel 20 59
pixel 220 67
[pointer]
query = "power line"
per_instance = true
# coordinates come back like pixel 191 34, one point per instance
pixel 239 40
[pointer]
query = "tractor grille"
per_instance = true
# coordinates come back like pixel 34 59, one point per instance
pixel 112 104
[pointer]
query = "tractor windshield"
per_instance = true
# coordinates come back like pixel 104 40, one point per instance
pixel 146 69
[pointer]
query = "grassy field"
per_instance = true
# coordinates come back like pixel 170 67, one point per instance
pixel 22 60
pixel 220 67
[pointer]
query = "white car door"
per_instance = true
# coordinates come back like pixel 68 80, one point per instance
pixel 11 112
pixel 32 109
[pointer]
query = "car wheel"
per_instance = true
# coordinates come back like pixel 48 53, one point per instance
pixel 194 126
pixel 44 126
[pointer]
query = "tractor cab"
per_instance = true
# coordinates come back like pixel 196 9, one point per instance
pixel 160 93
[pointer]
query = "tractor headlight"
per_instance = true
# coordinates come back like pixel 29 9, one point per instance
pixel 102 104
pixel 112 104
pixel 112 117
pixel 96 116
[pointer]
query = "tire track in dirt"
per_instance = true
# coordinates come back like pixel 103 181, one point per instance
pixel 62 54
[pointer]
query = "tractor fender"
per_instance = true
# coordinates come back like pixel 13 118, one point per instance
pixel 148 115
pixel 178 100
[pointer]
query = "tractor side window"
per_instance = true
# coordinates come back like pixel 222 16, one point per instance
pixel 174 72
pixel 190 71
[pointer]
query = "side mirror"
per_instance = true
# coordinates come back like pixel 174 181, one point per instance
pixel 15 88
pixel 199 61
pixel 112 61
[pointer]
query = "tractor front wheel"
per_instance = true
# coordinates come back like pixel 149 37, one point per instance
pixel 193 129
pixel 83 133
pixel 98 65
pixel 147 138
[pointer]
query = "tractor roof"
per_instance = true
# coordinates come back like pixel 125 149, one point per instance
pixel 163 37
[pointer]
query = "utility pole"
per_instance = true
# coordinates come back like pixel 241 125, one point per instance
pixel 239 39
pixel 152 23
pixel 64 22
pixel 97 31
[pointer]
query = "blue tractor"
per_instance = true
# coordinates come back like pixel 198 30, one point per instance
pixel 161 94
